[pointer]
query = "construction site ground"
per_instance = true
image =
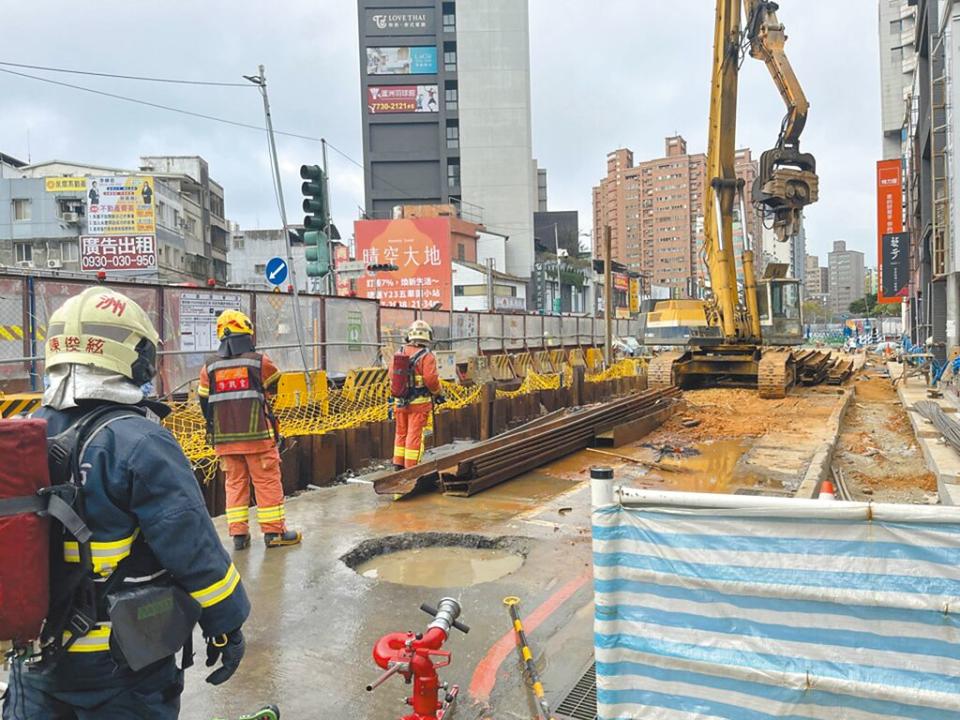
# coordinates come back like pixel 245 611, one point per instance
pixel 316 619
pixel 877 452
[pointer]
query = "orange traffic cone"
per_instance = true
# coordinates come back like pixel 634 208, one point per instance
pixel 826 491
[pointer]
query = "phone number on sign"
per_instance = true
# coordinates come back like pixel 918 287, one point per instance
pixel 117 262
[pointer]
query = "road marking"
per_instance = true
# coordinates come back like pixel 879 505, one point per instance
pixel 485 675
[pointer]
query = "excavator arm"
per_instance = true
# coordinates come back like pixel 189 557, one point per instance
pixel 787 181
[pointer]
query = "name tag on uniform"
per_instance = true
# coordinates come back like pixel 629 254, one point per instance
pixel 231 379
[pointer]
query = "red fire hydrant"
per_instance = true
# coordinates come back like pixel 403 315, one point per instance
pixel 418 656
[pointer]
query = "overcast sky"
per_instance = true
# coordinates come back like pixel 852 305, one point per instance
pixel 605 74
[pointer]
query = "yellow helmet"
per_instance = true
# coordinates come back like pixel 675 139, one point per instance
pixel 419 330
pixel 105 329
pixel 233 322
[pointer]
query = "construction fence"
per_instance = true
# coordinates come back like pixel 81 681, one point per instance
pixel 346 341
pixel 740 607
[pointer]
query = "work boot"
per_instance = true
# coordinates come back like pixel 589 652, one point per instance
pixel 287 537
pixel 241 542
pixel 398 467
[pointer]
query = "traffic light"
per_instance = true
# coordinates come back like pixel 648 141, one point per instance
pixel 315 221
pixel 382 267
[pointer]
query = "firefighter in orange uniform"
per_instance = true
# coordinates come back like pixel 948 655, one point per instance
pixel 233 396
pixel 414 384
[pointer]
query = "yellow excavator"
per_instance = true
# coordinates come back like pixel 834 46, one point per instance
pixel 730 348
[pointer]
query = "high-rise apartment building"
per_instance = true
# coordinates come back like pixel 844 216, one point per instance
pixel 847 277
pixel 897 64
pixel 655 211
pixel 811 281
pixel 445 88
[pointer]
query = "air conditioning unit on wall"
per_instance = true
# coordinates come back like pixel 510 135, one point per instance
pixel 54 264
pixel 71 217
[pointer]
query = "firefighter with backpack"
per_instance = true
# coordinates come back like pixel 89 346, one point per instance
pixel 414 385
pixel 234 388
pixel 134 560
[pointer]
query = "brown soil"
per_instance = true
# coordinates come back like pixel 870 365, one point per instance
pixel 727 414
pixel 877 451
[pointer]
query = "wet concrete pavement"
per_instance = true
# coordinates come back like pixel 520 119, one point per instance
pixel 315 620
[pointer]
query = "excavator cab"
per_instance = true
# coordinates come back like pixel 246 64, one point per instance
pixel 779 301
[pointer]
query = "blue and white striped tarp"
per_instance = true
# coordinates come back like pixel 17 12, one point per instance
pixel 757 608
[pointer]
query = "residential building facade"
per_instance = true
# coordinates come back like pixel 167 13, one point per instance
pixel 897 27
pixel 655 212
pixel 847 277
pixel 446 113
pixel 251 250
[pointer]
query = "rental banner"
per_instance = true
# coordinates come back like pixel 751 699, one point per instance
pixel 723 606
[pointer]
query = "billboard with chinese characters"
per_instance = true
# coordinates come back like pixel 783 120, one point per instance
pixel 889 220
pixel 419 21
pixel 383 99
pixel 419 247
pixel 121 205
pixel 341 254
pixel 402 60
pixel 894 266
pixel 634 296
pixel 65 184
pixel 118 253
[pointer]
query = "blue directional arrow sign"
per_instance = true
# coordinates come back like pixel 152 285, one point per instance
pixel 276 271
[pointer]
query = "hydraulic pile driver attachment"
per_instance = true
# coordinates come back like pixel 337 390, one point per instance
pixel 417 656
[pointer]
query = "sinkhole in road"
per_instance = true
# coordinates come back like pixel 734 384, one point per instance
pixel 437 560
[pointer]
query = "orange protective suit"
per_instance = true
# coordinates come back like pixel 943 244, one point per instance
pixel 412 415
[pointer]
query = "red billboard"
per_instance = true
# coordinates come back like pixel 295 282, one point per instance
pixel 341 254
pixel 889 221
pixel 402 99
pixel 419 247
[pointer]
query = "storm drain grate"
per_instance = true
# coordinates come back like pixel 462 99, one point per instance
pixel 581 702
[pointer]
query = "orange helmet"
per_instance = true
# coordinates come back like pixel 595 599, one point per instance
pixel 233 322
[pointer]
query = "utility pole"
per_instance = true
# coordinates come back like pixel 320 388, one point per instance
pixel 330 282
pixel 608 291
pixel 490 293
pixel 556 242
pixel 261 82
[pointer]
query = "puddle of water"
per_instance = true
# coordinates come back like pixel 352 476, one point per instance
pixel 711 470
pixel 439 567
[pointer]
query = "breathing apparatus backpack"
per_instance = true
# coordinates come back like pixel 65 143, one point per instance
pixel 39 606
pixel 403 375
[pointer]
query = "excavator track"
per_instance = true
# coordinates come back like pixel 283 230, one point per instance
pixel 660 371
pixel 775 374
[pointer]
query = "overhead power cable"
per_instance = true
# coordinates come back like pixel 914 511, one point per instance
pixel 169 108
pixel 175 81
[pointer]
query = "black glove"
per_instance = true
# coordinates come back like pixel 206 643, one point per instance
pixel 440 399
pixel 229 650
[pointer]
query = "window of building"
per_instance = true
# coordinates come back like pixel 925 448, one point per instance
pixel 69 205
pixel 23 252
pixel 453 134
pixel 69 251
pixel 453 175
pixel 21 208
pixel 896 54
pixel 452 96
pixel 450 56
pixel 260 268
pixel 238 243
pixel 461 252
pixel 449 17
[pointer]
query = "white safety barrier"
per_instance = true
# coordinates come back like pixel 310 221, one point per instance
pixel 752 608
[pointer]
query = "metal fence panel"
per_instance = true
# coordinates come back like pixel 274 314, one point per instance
pixel 491 332
pixel 551 328
pixel 440 323
pixel 189 331
pixel 394 323
pixel 585 331
pixel 14 337
pixel 513 331
pixel 533 328
pixel 466 327
pixel 351 335
pixel 569 327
